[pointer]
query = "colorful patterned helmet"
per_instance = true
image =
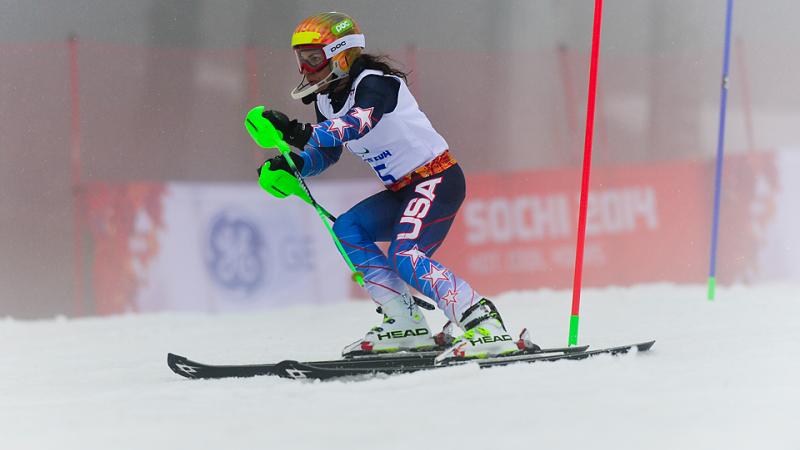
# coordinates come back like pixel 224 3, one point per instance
pixel 324 39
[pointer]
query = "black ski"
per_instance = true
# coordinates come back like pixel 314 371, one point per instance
pixel 371 365
pixel 297 370
pixel 191 369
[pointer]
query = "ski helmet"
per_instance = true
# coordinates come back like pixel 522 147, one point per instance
pixel 327 39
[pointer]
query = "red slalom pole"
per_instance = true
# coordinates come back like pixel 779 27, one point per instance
pixel 587 165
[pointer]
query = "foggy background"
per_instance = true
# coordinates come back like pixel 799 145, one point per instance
pixel 163 86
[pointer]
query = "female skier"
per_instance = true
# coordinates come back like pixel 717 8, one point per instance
pixel 362 104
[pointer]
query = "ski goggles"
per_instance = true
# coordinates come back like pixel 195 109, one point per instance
pixel 311 59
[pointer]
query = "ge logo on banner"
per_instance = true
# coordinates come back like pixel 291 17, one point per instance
pixel 235 249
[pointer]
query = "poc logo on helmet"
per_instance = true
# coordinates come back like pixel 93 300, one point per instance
pixel 338 46
pixel 342 26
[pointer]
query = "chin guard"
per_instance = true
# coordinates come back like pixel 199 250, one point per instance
pixel 306 89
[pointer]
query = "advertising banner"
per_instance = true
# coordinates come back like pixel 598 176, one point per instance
pixel 215 247
pixel 211 247
pixel 646 223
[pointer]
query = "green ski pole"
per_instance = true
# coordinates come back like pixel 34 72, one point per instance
pixel 266 136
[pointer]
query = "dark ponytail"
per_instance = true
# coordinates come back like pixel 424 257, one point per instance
pixel 382 63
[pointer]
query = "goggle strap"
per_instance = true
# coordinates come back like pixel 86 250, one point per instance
pixel 344 43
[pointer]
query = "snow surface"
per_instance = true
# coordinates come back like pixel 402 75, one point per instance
pixel 722 375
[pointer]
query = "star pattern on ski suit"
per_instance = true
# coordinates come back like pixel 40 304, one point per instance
pixel 415 254
pixel 316 127
pixel 364 116
pixel 434 276
pixel 450 298
pixel 338 125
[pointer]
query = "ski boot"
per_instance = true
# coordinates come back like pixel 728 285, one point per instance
pixel 485 335
pixel 403 329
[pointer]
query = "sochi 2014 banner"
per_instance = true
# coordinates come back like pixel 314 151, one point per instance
pixel 647 223
pixel 211 247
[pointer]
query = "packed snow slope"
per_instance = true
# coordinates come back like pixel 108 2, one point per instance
pixel 722 375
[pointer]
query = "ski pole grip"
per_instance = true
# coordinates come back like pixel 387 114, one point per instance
pixel 262 131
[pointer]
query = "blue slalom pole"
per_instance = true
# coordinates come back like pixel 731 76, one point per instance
pixel 712 277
